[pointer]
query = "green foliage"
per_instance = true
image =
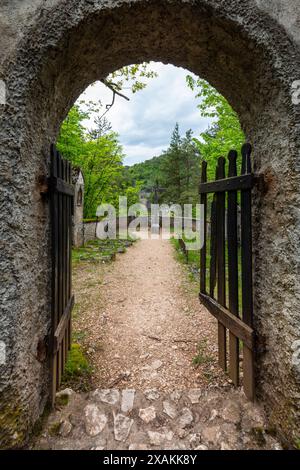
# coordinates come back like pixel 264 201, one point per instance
pixel 136 75
pixel 98 152
pixel 62 400
pixel 99 155
pixel 225 133
pixel 54 429
pixel 100 251
pixel 77 364
pixel 176 171
pixel 181 169
pixel 148 173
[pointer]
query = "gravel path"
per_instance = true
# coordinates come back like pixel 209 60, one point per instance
pixel 144 324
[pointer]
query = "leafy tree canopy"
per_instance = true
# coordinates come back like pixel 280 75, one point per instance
pixel 225 133
pixel 97 151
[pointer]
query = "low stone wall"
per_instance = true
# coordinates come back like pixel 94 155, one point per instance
pixel 88 230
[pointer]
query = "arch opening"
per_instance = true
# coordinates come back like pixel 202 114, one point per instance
pixel 251 60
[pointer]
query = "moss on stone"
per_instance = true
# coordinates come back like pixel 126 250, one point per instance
pixel 297 443
pixel 77 363
pixel 54 429
pixel 62 400
pixel 13 423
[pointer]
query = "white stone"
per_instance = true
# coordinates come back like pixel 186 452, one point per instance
pixel 158 438
pixel 127 400
pixel 95 421
pixel 194 395
pixel 67 392
pixel 157 364
pixel 137 446
pixel 213 415
pixel 176 395
pixel 147 414
pixel 201 447
pixel 152 394
pixel 110 396
pixel 169 409
pixel 186 418
pixel 122 427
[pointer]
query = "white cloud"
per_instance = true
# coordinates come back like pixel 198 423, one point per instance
pixel 145 124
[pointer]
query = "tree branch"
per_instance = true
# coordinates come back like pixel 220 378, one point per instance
pixel 112 86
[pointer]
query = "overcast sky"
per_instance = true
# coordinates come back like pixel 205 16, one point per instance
pixel 146 122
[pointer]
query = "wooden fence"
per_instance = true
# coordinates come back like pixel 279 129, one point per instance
pixel 226 284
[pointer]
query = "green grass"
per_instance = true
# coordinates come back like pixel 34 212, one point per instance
pixel 77 370
pixel 54 429
pixel 99 251
pixel 201 357
pixel 77 363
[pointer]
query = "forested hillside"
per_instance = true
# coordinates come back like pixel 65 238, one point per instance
pixel 176 172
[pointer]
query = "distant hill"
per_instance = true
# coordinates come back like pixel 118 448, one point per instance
pixel 149 172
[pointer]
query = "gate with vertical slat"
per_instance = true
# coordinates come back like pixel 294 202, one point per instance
pixel 227 291
pixel 61 198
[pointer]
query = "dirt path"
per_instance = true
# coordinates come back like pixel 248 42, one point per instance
pixel 142 322
pixel 147 326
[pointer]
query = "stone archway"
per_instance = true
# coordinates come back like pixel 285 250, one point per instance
pixel 49 54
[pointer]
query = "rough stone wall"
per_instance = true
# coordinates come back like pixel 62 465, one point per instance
pixel 49 52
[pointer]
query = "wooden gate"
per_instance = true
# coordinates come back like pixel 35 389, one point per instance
pixel 227 257
pixel 61 197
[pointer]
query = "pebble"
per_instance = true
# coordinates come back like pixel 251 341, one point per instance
pixel 147 414
pixel 186 418
pixel 158 438
pixel 169 409
pixel 152 394
pixel 194 395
